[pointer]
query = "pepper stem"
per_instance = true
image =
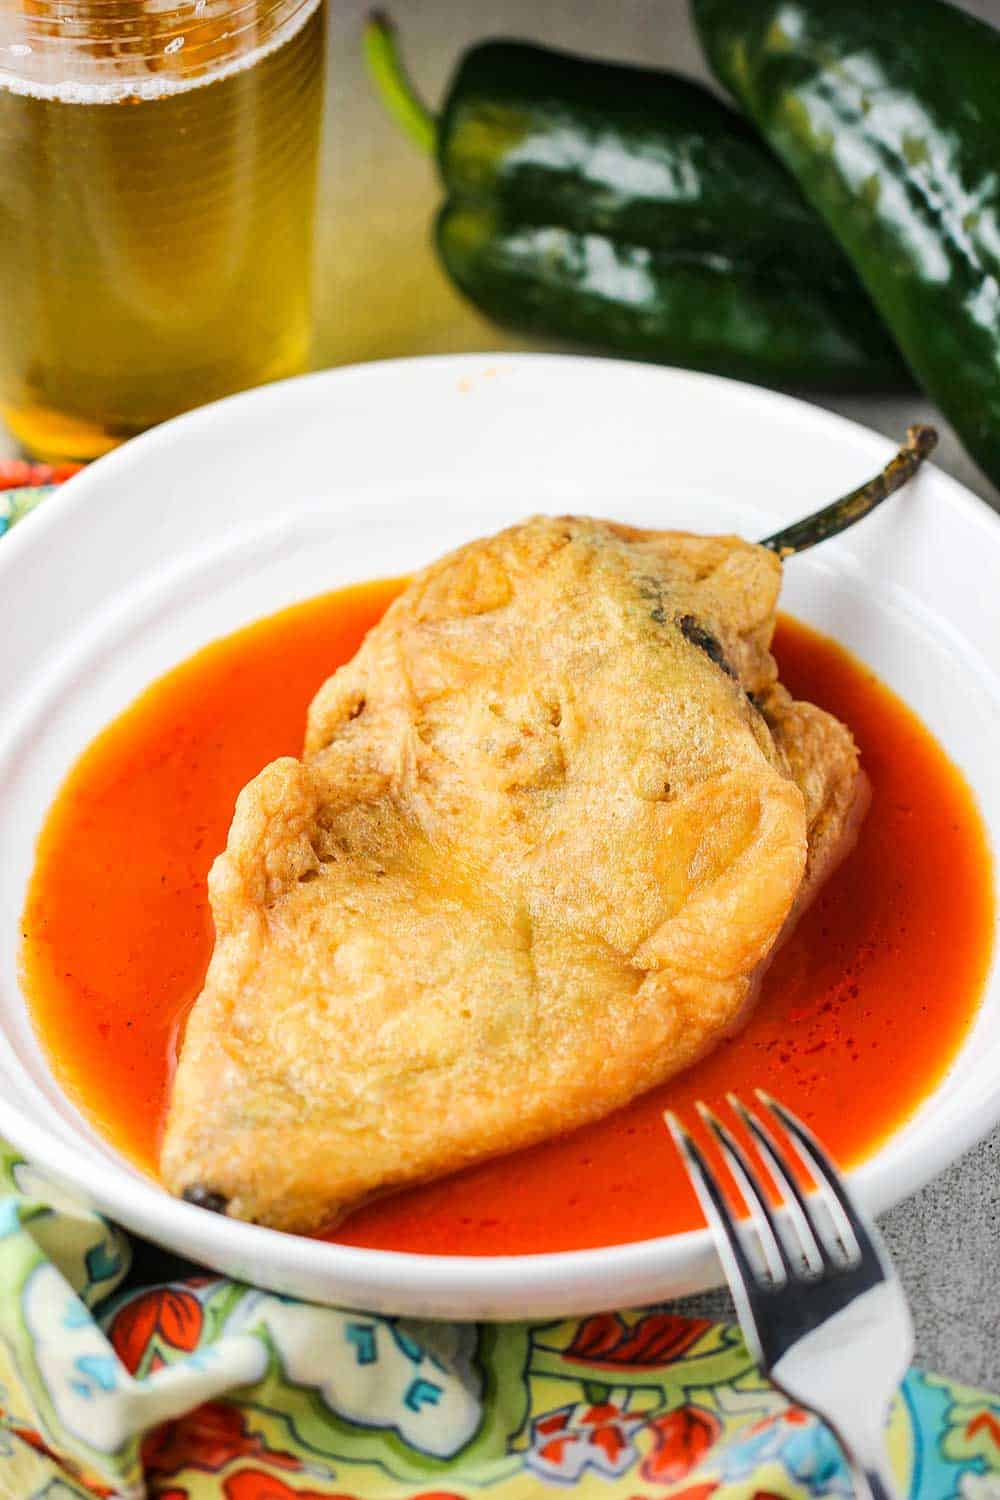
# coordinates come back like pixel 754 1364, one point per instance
pixel 393 84
pixel 842 513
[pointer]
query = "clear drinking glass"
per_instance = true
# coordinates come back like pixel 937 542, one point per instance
pixel 157 197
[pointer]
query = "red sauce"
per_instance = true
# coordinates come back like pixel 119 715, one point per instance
pixel 859 1017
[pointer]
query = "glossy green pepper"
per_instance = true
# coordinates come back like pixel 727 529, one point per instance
pixel 633 211
pixel 888 114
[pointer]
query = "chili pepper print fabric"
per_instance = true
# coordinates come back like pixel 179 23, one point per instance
pixel 205 1389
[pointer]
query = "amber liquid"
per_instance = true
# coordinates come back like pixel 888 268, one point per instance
pixel 156 240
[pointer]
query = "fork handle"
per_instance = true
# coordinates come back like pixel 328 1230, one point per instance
pixel 875 1487
pixel 868 1462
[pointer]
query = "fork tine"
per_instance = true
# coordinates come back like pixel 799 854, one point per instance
pixel 755 1197
pixel 817 1254
pixel 855 1239
pixel 740 1274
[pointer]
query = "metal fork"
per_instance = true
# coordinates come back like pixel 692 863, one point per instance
pixel 821 1308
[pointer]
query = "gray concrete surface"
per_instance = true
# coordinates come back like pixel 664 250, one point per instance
pixel 380 294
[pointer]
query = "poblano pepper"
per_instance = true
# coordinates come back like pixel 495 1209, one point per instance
pixel 889 116
pixel 633 211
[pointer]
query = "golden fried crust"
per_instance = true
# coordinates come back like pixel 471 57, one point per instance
pixel 537 849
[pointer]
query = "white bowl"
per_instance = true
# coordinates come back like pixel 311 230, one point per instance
pixel 238 509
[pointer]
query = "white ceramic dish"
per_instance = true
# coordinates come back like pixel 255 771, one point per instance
pixel 240 508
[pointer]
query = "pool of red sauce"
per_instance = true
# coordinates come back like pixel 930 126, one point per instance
pixel 859 1015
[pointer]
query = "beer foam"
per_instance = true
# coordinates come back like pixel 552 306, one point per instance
pixel 145 85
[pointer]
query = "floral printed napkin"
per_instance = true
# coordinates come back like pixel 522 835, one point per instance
pixel 199 1388
pixel 16 503
pixel 24 484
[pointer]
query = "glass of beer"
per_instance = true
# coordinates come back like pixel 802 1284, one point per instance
pixel 157 196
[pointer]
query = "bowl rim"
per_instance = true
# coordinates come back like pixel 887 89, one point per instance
pixel 140 1204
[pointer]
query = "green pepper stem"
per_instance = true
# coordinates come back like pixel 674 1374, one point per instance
pixel 393 84
pixel 850 508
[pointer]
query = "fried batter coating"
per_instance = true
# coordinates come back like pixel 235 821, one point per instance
pixel 548 826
